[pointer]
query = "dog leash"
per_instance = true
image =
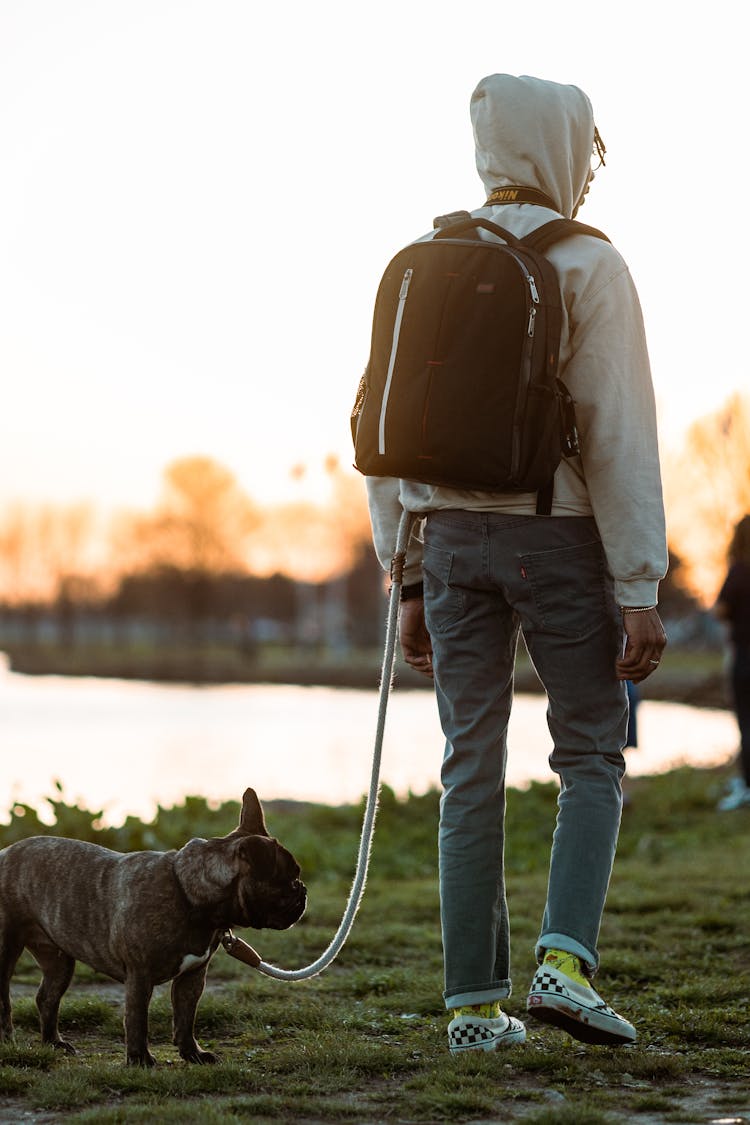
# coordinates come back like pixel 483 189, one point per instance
pixel 240 949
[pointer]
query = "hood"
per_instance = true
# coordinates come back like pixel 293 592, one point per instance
pixel 532 133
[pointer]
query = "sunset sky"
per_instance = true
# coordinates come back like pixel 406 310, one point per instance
pixel 197 198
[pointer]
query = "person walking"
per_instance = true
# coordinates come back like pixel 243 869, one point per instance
pixel 733 607
pixel 581 584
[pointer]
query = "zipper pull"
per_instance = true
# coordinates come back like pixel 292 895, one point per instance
pixel 405 285
pixel 532 318
pixel 534 293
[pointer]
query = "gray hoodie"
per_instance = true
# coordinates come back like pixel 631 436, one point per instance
pixel 533 133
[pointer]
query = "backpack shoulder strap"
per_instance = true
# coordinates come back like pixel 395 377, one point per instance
pixel 545 236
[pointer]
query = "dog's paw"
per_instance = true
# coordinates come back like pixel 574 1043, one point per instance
pixel 64 1045
pixel 141 1058
pixel 196 1055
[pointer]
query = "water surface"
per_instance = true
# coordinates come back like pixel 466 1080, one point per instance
pixel 125 746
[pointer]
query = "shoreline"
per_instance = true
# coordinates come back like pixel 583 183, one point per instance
pixel 695 682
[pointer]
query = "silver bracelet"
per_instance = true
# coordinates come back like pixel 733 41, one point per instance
pixel 636 608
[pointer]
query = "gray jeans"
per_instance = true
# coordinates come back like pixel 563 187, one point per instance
pixel 486 575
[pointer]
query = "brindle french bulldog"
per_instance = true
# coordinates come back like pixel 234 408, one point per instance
pixel 140 917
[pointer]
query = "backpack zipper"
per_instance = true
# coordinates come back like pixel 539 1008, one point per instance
pixel 515 453
pixel 392 360
pixel 534 301
pixel 532 290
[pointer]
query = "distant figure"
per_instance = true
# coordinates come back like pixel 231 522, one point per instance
pixel 631 739
pixel 733 607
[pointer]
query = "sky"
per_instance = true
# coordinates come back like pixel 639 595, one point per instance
pixel 198 198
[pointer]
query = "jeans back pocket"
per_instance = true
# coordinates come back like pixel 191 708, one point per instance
pixel 444 604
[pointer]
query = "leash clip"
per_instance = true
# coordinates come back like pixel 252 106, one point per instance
pixel 238 948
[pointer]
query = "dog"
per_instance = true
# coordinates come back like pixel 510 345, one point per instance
pixel 140 917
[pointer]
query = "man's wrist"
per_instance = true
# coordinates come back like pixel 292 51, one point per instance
pixel 413 590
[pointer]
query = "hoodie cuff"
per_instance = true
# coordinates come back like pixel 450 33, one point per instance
pixel 642 591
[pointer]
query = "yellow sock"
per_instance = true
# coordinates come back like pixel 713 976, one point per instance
pixel 490 1011
pixel 567 963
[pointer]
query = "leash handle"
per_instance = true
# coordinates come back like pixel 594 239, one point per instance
pixel 238 948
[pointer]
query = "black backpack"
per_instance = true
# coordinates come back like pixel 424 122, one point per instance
pixel 461 387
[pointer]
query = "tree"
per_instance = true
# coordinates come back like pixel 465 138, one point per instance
pixel 201 525
pixel 315 540
pixel 675 599
pixel 45 550
pixel 708 491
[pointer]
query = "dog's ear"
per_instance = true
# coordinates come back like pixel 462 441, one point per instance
pixel 251 818
pixel 204 870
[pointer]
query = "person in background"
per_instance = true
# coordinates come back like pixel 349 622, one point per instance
pixel 733 607
pixel 580 583
pixel 631 739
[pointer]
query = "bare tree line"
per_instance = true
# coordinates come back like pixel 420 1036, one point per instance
pixel 203 523
pixel 205 531
pixel 205 562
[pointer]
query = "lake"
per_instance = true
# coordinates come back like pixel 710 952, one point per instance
pixel 126 746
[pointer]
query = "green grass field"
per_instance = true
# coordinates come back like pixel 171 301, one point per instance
pixel 366 1040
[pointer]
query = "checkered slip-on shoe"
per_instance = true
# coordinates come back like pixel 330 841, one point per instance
pixel 562 996
pixel 469 1031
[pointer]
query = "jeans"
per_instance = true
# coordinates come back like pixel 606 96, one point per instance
pixel 485 576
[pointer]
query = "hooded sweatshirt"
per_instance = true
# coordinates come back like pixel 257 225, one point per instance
pixel 537 134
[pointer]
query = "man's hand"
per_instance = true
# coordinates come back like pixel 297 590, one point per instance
pixel 644 643
pixel 415 640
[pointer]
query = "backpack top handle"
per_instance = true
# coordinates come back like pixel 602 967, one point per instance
pixel 471 224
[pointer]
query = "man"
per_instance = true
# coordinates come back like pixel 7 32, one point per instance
pixel 580 583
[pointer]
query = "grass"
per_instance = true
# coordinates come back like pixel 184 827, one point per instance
pixel 366 1042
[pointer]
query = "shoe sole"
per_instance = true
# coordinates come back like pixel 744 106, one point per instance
pixel 576 1023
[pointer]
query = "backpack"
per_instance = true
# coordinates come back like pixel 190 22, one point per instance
pixel 461 387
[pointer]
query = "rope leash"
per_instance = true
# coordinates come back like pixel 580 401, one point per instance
pixel 240 949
